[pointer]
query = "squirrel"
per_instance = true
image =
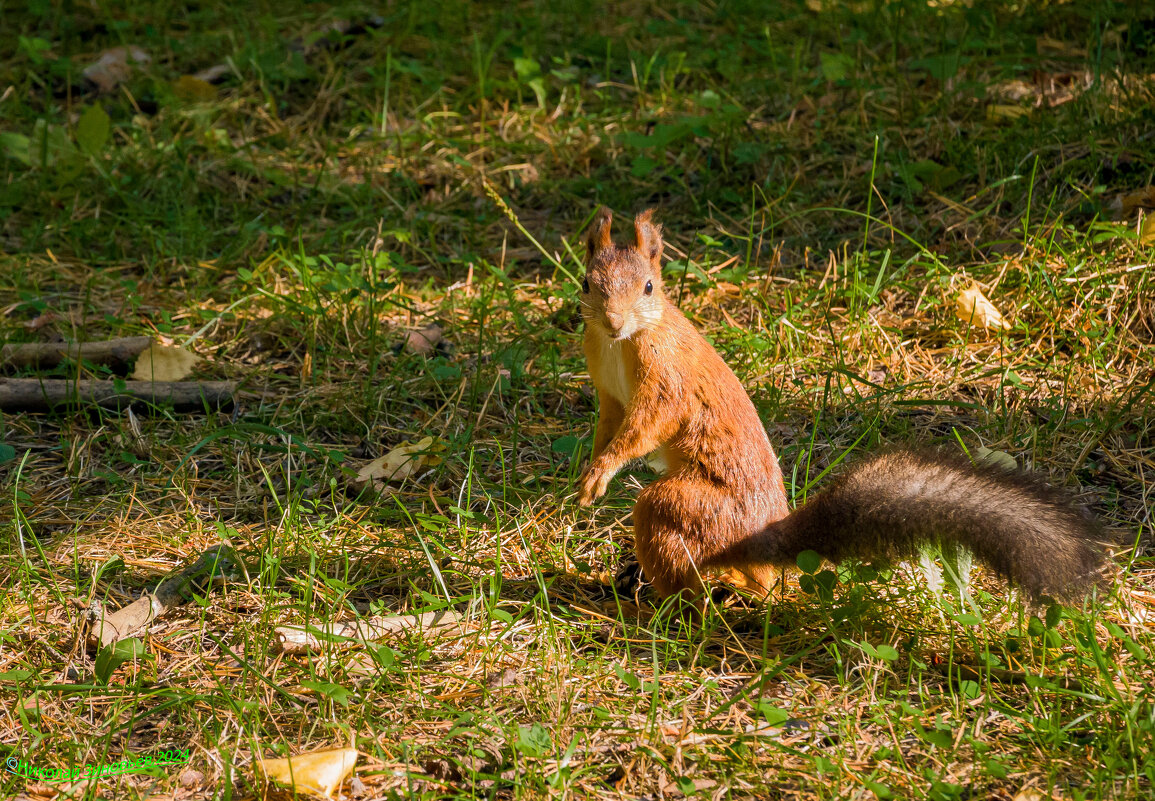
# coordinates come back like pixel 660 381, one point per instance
pixel 720 506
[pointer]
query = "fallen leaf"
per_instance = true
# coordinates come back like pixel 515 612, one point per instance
pixel 442 770
pixel 319 773
pixel 985 455
pixel 402 462
pixel 1057 88
pixel 422 341
pixel 1014 90
pixel 506 678
pixel 42 320
pixel 192 89
pixel 1143 199
pixel 190 778
pixel 1031 794
pixel 124 622
pixel 114 67
pixel 314 639
pixel 213 74
pixel 163 363
pixel 1147 230
pixel 973 307
pixel 216 565
pixel 1000 111
pixel 1044 89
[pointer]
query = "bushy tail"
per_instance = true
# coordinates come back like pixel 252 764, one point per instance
pixel 889 505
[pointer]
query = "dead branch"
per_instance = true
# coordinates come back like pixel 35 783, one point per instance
pixel 39 395
pixel 113 352
pixel 216 566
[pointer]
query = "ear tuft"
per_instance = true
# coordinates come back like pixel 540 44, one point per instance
pixel 599 236
pixel 648 236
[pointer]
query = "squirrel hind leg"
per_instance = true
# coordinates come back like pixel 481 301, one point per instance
pixel 666 551
pixel 678 524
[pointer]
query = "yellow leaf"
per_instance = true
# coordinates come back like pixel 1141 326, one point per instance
pixel 402 462
pixel 973 307
pixel 163 363
pixel 193 89
pixel 319 773
pixel 1147 230
pixel 1000 111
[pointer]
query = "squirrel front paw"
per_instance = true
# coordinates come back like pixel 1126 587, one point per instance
pixel 593 484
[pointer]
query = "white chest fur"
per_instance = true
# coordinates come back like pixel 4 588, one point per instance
pixel 611 373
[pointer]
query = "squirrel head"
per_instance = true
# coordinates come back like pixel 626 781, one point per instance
pixel 622 290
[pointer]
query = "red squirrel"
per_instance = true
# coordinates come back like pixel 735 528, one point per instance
pixel 721 504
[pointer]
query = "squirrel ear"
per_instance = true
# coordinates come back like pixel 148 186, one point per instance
pixel 599 237
pixel 647 236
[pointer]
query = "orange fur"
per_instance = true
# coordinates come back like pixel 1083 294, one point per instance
pixel 721 505
pixel 722 478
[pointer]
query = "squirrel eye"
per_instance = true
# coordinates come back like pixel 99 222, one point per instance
pixel 585 287
pixel 649 287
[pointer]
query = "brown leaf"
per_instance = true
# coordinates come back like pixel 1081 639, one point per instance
pixel 422 340
pixel 163 363
pixel 319 773
pixel 506 678
pixel 35 324
pixel 114 66
pixel 124 622
pixel 442 770
pixel 972 306
pixel 1143 199
pixel 189 779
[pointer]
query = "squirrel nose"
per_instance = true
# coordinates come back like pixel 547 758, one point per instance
pixel 615 321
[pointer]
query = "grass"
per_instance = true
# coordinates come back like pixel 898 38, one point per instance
pixel 830 177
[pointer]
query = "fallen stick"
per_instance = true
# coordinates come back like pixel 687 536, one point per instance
pixel 217 565
pixel 301 640
pixel 39 395
pixel 116 352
